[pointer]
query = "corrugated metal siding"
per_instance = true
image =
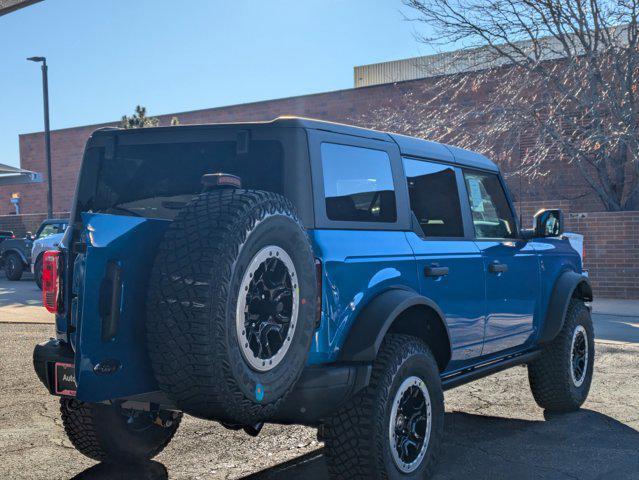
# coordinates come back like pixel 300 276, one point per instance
pixel 424 67
pixel 447 63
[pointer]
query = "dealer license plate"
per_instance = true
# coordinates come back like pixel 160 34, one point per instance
pixel 65 379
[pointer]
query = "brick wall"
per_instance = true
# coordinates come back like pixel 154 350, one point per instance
pixel 21 224
pixel 611 241
pixel 348 106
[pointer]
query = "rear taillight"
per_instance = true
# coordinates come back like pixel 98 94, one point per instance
pixel 318 300
pixel 50 280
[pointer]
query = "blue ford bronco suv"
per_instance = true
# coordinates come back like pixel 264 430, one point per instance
pixel 301 272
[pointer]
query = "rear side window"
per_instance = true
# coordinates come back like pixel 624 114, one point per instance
pixel 492 216
pixel 358 184
pixel 434 198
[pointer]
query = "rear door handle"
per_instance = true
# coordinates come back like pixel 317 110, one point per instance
pixel 435 271
pixel 497 267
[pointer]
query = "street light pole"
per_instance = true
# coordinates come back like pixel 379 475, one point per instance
pixel 47 133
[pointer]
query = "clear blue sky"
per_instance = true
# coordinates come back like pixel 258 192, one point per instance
pixel 106 56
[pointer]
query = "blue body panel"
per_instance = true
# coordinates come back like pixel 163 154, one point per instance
pixel 556 256
pixel 487 315
pixel 460 294
pixel 511 296
pixel 357 266
pixel 131 242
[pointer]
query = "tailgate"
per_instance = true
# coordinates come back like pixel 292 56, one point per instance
pixel 111 357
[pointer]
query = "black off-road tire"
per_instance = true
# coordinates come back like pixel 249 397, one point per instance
pixel 37 272
pixel 193 294
pixel 13 267
pixel 550 377
pixel 357 436
pixel 101 432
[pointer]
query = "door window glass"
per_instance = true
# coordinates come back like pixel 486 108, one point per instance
pixel 358 184
pixel 492 216
pixel 51 229
pixel 434 198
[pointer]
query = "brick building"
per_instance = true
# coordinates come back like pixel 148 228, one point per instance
pixel 377 86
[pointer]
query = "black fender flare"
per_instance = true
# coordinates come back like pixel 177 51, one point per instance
pixel 18 252
pixel 376 319
pixel 568 285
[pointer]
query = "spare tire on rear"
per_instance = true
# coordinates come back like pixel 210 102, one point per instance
pixel 231 305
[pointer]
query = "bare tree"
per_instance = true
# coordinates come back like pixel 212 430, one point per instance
pixel 561 74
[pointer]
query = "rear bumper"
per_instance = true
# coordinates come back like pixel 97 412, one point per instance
pixel 321 391
pixel 45 356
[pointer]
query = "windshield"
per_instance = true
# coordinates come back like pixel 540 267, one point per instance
pixel 51 229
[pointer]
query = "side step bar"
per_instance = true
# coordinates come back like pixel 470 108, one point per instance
pixel 475 373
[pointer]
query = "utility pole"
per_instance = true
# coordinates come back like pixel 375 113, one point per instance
pixel 47 132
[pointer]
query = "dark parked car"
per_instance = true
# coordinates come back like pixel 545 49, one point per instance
pixel 300 271
pixel 15 253
pixel 5 234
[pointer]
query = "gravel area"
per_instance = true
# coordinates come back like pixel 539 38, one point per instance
pixel 494 430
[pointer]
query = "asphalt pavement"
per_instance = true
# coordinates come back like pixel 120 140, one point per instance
pixel 21 301
pixel 494 430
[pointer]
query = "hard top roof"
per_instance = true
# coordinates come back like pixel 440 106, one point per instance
pixel 410 146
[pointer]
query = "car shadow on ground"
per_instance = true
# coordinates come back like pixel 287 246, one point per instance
pixel 151 470
pixel 579 445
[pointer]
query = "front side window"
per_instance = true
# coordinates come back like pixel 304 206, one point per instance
pixel 358 184
pixel 492 216
pixel 434 198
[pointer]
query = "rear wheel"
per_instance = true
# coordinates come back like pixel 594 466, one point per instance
pixel 110 433
pixel 393 429
pixel 37 272
pixel 13 267
pixel 560 378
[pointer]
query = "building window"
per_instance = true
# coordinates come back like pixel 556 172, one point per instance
pixel 358 184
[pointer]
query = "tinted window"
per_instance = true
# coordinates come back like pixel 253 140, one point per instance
pixel 434 198
pixel 358 184
pixel 157 180
pixel 492 216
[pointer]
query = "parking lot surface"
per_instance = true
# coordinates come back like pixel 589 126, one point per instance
pixel 493 430
pixel 21 301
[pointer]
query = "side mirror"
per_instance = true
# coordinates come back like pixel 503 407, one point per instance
pixel 29 236
pixel 548 223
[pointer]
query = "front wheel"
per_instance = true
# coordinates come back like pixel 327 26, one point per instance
pixel 13 267
pixel 393 429
pixel 110 433
pixel 560 378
